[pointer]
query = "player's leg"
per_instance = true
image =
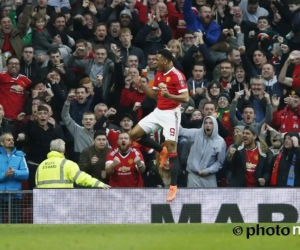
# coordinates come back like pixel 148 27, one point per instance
pixel 171 123
pixel 140 133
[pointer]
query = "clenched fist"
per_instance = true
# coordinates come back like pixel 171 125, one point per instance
pixel 137 160
pixel 116 161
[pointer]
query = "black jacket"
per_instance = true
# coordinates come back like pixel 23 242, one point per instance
pixel 152 46
pixel 284 167
pixel 237 168
pixel 31 71
pixel 39 140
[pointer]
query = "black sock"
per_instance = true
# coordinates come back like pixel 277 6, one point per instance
pixel 174 168
pixel 148 142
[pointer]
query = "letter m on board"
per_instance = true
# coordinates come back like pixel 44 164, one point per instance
pixel 162 213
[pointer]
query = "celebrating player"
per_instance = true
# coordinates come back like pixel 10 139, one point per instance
pixel 170 89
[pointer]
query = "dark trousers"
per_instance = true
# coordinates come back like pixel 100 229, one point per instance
pixel 15 211
pixel 31 179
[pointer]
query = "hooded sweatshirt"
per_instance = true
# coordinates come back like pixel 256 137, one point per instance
pixel 207 153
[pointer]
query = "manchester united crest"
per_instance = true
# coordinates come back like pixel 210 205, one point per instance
pixel 130 161
pixel 168 79
pixel 256 157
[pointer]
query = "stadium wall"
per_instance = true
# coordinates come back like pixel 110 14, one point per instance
pixel 140 206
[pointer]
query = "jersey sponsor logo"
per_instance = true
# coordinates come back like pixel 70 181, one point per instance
pixel 17 89
pixel 124 169
pixel 162 85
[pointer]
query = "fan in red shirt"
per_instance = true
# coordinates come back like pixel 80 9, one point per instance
pixel 171 90
pixel 125 164
pixel 126 124
pixel 13 87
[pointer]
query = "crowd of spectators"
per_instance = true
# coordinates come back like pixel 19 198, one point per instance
pixel 68 70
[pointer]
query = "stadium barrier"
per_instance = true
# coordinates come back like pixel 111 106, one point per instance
pixel 143 206
pixel 16 207
pixel 140 206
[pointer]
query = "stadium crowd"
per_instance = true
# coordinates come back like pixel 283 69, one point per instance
pixel 69 70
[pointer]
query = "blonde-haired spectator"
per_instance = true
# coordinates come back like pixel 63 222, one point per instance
pixel 176 49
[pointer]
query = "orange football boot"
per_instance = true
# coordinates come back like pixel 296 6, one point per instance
pixel 172 193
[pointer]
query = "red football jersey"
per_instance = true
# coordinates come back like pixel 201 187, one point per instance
pixel 112 137
pixel 13 94
pixel 175 82
pixel 125 174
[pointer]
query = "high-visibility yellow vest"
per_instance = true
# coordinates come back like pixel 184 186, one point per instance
pixel 58 172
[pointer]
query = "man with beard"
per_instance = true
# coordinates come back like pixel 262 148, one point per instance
pixel 286 165
pixel 226 75
pixel 126 124
pixel 237 19
pixel 58 29
pixel 202 165
pixel 92 158
pixel 249 113
pixel 124 164
pixel 249 166
pixel 13 170
pixel 38 134
pixel 203 22
pixel 13 87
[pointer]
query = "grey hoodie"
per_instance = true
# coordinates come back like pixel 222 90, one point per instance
pixel 82 137
pixel 207 153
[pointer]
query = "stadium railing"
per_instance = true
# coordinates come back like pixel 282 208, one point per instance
pixel 16 207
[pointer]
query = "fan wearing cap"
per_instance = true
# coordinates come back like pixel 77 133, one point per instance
pixel 130 19
pixel 153 36
pixel 288 119
pixel 223 115
pixel 249 166
pixel 286 165
pixel 275 137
